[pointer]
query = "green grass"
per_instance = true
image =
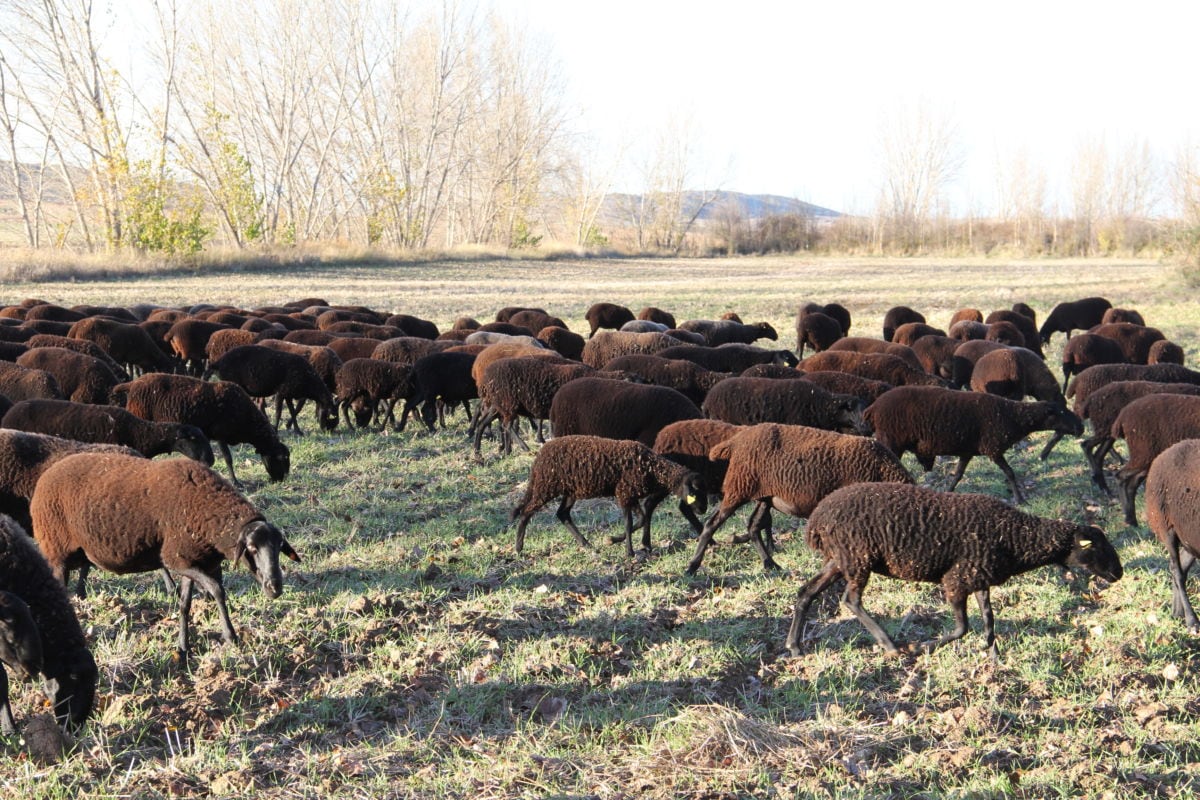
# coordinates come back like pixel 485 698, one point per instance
pixel 413 654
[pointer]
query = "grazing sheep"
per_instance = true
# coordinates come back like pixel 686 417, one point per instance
pixel 1015 373
pixel 189 338
pixel 729 357
pixel 686 337
pixel 315 337
pixel 835 310
pixel 1134 340
pixel 53 312
pixel 20 648
pixel 505 328
pixel 688 377
pixel 126 515
pixel 896 316
pixel 749 401
pixel 23 458
pixel 222 341
pixel 1025 310
pixel 643 326
pixel 776 371
pixel 965 357
pixel 606 315
pixel 1101 408
pixel 657 315
pixel 1005 333
pixel 413 326
pixel 511 388
pixel 578 467
pixel 965 330
pixel 728 331
pixel 80 377
pixel 816 330
pixel 930 422
pixel 505 314
pixel 1087 350
pixel 364 383
pixel 1165 352
pixel 407 349
pixel 566 343
pixel 79 346
pixel 535 320
pixel 19 383
pixel 790 468
pixel 966 315
pixel 1025 325
pixel 968 543
pixel 128 344
pixel 864 344
pixel 440 380
pixel 1122 315
pixel 1173 513
pixel 366 330
pixel 865 389
pixel 1073 315
pixel 221 409
pixel 936 354
pixel 464 323
pixel 324 359
pixel 491 337
pixel 101 424
pixel 688 443
pixel 1093 378
pixel 876 366
pixel 351 347
pixel 264 372
pixel 617 410
pixel 910 332
pixel 607 345
pixel 11 351
pixel 1149 425
pixel 67 666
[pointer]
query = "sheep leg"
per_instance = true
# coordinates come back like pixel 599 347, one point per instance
pixel 804 598
pixel 1055 439
pixel 706 534
pixel 1010 476
pixel 1181 606
pixel 81 581
pixel 7 724
pixel 484 420
pixel 958 472
pixel 513 432
pixel 1185 564
pixel 959 606
pixel 224 448
pixel 760 520
pixel 628 514
pixel 168 581
pixel 213 586
pixel 1128 484
pixel 648 505
pixel 294 412
pixel 185 612
pixel 983 598
pixel 564 516
pixel 685 509
pixel 853 600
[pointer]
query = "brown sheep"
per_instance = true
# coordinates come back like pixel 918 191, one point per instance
pixel 1134 340
pixel 910 332
pixel 604 346
pixel 1165 352
pixel 1173 513
pixel 896 316
pixel 817 330
pixel 129 345
pixel 617 410
pixel 864 344
pixel 578 467
pixel 1015 373
pixel 930 422
pixel 126 514
pixel 749 401
pixel 19 383
pixel 1023 324
pixel 80 377
pixel 790 468
pixel 606 315
pixel 968 543
pixel 657 315
pixel 876 366
pixel 1149 425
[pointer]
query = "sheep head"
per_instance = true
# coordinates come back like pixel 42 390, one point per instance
pixel 1093 552
pixel 73 687
pixel 848 415
pixel 691 489
pixel 260 543
pixel 191 442
pixel 767 331
pixel 20 640
pixel 278 460
pixel 1062 420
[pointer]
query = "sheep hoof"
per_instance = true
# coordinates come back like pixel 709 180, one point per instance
pixel 770 565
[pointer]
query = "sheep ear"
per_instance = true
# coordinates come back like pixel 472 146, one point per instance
pixel 287 550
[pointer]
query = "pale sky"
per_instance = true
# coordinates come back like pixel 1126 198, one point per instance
pixel 788 96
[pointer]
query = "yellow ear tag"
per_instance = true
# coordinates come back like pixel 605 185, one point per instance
pixel 691 498
pixel 1085 543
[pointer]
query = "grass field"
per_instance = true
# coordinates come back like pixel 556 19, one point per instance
pixel 414 655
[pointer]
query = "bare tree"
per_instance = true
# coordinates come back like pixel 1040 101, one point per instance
pixel 1021 190
pixel 920 157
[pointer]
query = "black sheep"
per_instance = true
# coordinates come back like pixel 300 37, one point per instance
pixel 68 669
pixel 1073 315
pixel 729 357
pixel 264 372
pixel 896 316
pixel 968 543
pixel 440 380
pixel 1149 425
pixel 606 315
pixel 817 330
pixel 363 384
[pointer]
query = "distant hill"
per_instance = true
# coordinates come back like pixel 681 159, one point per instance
pixel 753 206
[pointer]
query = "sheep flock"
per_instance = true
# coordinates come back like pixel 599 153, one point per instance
pixel 156 391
